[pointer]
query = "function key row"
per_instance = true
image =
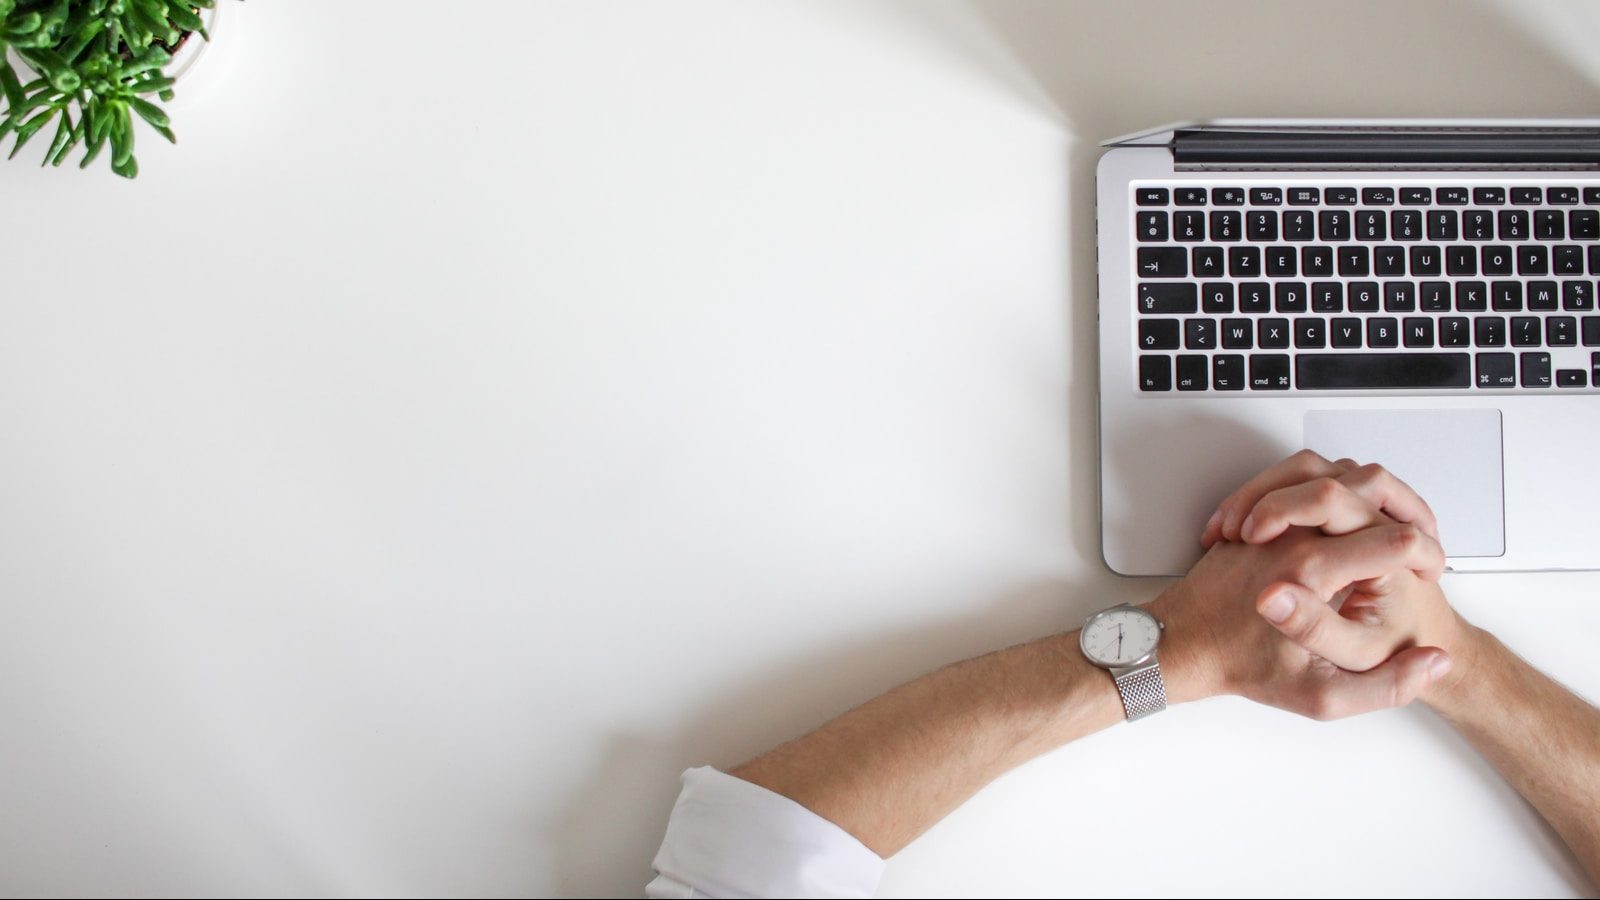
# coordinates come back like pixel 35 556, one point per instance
pixel 1371 196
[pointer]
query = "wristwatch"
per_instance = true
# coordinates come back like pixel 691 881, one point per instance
pixel 1123 639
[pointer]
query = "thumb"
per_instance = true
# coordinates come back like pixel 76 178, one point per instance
pixel 1396 682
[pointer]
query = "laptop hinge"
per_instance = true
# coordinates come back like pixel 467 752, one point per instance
pixel 1346 148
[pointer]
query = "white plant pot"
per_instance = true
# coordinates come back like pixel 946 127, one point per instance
pixel 182 63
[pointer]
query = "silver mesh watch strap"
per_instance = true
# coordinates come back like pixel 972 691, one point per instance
pixel 1143 692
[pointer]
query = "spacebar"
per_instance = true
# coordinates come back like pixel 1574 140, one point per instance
pixel 1367 371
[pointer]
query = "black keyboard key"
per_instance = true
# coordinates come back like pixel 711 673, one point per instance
pixel 1506 296
pixel 1381 371
pixel 1188 226
pixel 1353 261
pixel 1363 296
pixel 1567 260
pixel 1244 262
pixel 1162 262
pixel 1281 262
pixel 1561 196
pixel 1489 196
pixel 1406 224
pixel 1158 334
pixel 1152 226
pixel 1339 196
pixel 1561 331
pixel 1269 372
pixel 1377 196
pixel 1443 225
pixel 1334 224
pixel 1591 196
pixel 1477 225
pixel 1272 334
pixel 1191 196
pixel 1227 196
pixel 1594 259
pixel 1290 296
pixel 1383 331
pixel 1452 196
pixel 1533 259
pixel 1415 196
pixel 1316 262
pixel 1514 225
pixel 1261 225
pixel 1436 296
pixel 1226 225
pixel 1304 196
pixel 1151 196
pixel 1525 331
pixel 1227 372
pixel 1216 297
pixel 1536 370
pixel 1327 296
pixel 1549 225
pixel 1489 331
pixel 1455 331
pixel 1471 296
pixel 1594 368
pixel 1163 299
pixel 1572 378
pixel 1255 297
pixel 1591 332
pixel 1426 260
pixel 1584 224
pixel 1418 331
pixel 1155 372
pixel 1527 196
pixel 1310 332
pixel 1497 259
pixel 1461 260
pixel 1399 296
pixel 1206 262
pixel 1497 370
pixel 1266 196
pixel 1542 296
pixel 1388 260
pixel 1299 225
pixel 1370 225
pixel 1345 332
pixel 1238 334
pixel 1577 296
pixel 1194 372
pixel 1199 334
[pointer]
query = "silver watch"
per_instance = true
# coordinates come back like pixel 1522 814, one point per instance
pixel 1123 639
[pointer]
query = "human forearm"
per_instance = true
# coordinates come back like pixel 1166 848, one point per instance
pixel 888 770
pixel 1544 739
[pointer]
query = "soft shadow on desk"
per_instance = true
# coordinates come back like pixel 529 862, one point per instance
pixel 613 823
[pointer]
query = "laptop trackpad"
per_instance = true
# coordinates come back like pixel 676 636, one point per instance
pixel 1451 457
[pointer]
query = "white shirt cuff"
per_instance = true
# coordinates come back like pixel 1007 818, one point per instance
pixel 730 838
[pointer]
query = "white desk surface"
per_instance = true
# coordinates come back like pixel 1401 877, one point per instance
pixel 485 414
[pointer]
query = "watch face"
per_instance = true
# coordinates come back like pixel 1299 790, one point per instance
pixel 1120 636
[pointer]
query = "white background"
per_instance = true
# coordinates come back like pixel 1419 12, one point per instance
pixel 489 410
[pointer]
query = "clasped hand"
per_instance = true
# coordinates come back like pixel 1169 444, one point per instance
pixel 1318 594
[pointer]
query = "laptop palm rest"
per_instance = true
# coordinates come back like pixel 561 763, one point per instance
pixel 1451 457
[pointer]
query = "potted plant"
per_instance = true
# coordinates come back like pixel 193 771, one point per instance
pixel 91 67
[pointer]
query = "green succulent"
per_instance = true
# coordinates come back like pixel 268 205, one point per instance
pixel 103 59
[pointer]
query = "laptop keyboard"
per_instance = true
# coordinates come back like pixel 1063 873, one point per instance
pixel 1272 289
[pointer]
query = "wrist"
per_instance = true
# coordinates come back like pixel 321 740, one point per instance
pixel 1188 667
pixel 1468 647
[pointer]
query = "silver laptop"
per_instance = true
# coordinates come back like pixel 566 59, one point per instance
pixel 1419 294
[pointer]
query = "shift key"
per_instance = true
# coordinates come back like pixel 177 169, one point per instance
pixel 1169 299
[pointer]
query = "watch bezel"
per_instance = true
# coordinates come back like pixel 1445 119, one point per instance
pixel 1083 634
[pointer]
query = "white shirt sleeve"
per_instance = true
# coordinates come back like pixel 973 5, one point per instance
pixel 730 838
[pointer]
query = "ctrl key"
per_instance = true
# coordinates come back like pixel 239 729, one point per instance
pixel 1155 372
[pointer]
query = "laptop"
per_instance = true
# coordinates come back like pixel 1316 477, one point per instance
pixel 1417 294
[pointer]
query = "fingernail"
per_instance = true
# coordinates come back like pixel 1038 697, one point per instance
pixel 1278 607
pixel 1212 522
pixel 1439 667
pixel 1244 530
